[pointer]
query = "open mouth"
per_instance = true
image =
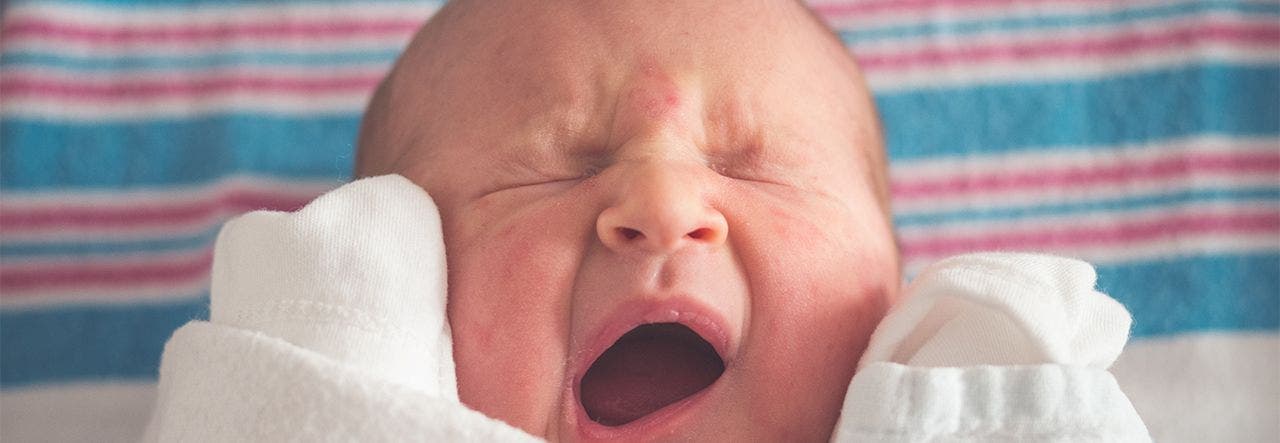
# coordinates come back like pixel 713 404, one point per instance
pixel 648 368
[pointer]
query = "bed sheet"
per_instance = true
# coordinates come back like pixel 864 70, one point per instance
pixel 1143 136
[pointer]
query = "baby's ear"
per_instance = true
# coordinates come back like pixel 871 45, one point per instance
pixel 357 275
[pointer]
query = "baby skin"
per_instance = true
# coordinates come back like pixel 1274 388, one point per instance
pixel 663 221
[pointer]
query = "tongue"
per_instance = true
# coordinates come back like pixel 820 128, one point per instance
pixel 650 367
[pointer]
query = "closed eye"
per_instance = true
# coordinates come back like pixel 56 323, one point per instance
pixel 533 184
pixel 738 173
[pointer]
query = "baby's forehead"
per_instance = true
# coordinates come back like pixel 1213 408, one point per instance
pixel 547 44
pixel 469 72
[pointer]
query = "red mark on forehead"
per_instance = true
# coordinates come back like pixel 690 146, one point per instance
pixel 653 94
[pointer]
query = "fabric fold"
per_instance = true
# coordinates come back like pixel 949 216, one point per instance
pixel 890 402
pixel 326 324
pixel 220 383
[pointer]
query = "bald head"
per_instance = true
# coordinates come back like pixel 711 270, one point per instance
pixel 480 68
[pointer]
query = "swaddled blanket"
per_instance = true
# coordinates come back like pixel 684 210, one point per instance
pixel 329 325
pixel 325 325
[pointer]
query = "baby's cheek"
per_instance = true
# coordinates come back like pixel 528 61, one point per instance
pixel 821 282
pixel 508 310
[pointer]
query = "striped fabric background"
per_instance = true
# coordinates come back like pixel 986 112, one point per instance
pixel 1141 135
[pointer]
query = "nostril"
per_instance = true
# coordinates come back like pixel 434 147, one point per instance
pixel 700 234
pixel 630 234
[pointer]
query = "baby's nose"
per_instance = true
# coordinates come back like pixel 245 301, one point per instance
pixel 661 209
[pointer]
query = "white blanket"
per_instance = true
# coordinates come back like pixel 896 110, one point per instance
pixel 329 325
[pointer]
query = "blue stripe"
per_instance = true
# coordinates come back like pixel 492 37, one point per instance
pixel 1180 294
pixel 59 155
pixel 955 28
pixel 89 343
pixel 1261 193
pixel 1177 295
pixel 1082 115
pixel 10 251
pixel 203 61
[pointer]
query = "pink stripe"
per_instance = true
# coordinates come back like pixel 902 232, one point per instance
pixel 878 6
pixel 145 215
pixel 1075 177
pixel 216 32
pixel 1261 34
pixel 17 283
pixel 30 85
pixel 1119 234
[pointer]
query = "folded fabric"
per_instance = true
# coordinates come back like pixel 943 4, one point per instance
pixel 994 347
pixel 327 324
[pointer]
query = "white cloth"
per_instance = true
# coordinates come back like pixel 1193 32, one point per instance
pixel 994 347
pixel 328 324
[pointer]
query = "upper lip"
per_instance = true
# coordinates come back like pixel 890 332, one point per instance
pixel 686 310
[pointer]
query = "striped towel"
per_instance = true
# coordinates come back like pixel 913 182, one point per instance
pixel 1140 135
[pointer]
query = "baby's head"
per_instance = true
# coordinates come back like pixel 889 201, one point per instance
pixel 715 170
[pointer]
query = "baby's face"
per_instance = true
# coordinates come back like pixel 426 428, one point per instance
pixel 709 168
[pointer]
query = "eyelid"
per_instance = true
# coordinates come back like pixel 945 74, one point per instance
pixel 736 173
pixel 526 184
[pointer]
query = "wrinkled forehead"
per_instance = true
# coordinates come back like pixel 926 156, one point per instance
pixel 490 67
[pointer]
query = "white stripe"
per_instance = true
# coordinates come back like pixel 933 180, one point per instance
pixel 1029 161
pixel 27 72
pixel 947 13
pixel 1203 387
pixel 283 104
pixel 1098 32
pixel 234 44
pixel 178 17
pixel 100 412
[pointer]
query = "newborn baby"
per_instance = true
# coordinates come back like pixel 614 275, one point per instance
pixel 663 222
pixel 695 186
